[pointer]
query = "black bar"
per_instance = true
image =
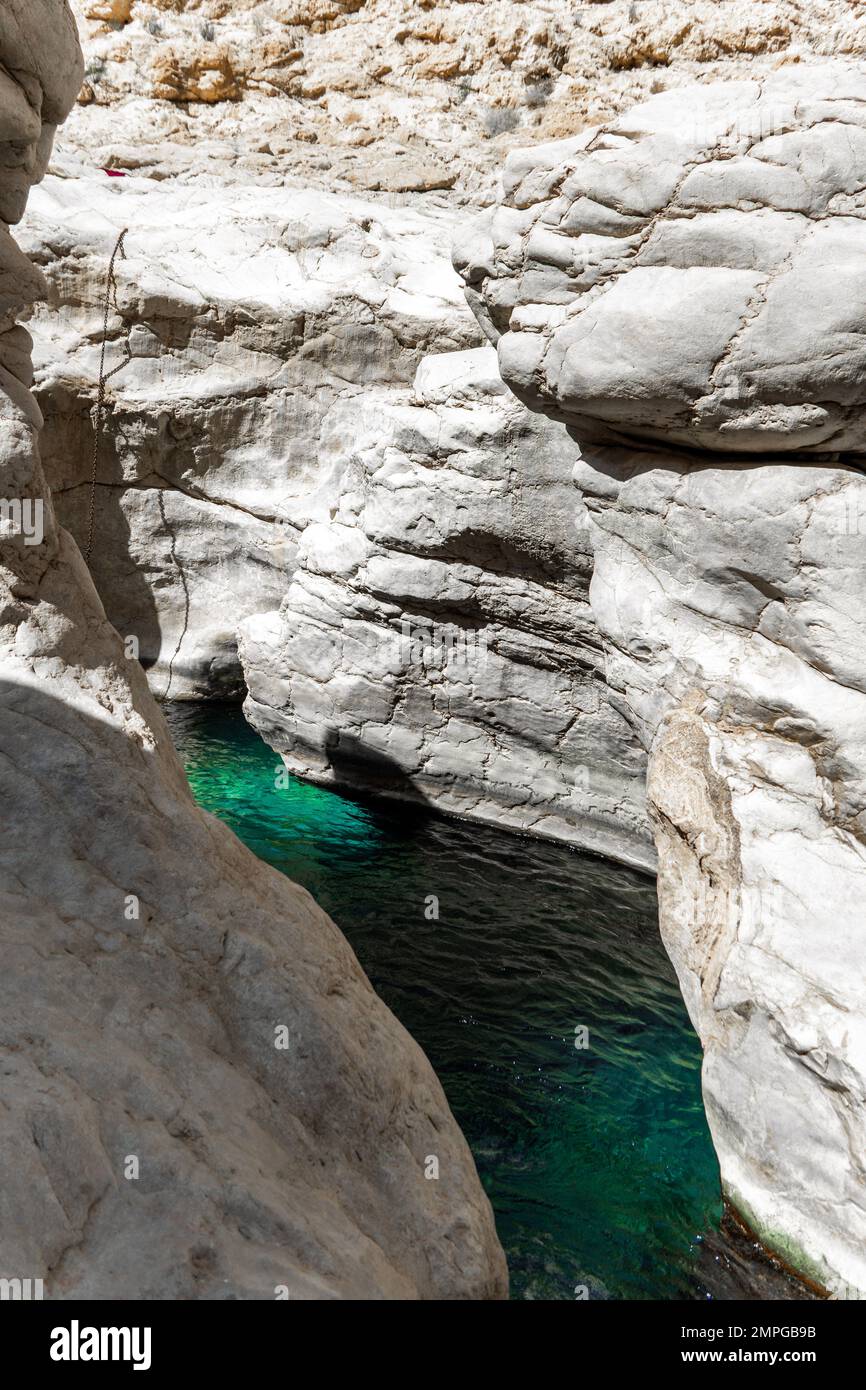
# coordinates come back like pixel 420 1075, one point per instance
pixel 283 1338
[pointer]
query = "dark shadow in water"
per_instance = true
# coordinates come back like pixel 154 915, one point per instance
pixel 367 770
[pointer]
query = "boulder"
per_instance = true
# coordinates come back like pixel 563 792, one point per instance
pixel 690 273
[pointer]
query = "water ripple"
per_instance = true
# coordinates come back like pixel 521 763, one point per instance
pixel 597 1159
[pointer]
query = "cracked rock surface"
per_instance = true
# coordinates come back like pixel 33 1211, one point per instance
pixel 728 587
pixel 306 399
pixel 436 641
pixel 156 1142
pixel 311 445
pixel 404 97
pixel 250 318
pixel 691 272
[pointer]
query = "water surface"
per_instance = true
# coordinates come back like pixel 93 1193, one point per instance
pixel 597 1159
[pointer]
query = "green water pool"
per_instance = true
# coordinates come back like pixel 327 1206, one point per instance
pixel 596 1158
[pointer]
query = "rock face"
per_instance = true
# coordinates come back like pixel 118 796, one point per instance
pixel 436 640
pixel 250 317
pixel 310 446
pixel 652 290
pixel 159 1139
pixel 283 447
pixel 713 233
pixel 269 323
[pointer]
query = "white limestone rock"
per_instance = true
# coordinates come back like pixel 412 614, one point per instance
pixel 635 276
pixel 690 273
pixel 435 642
pixel 394 95
pixel 730 599
pixel 273 338
pixel 157 1144
pixel 250 316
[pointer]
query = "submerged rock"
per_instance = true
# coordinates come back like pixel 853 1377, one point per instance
pixel 692 275
pixel 202 1095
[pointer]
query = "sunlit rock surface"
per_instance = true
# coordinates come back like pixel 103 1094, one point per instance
pixel 282 419
pixel 403 97
pixel 436 642
pixel 691 273
pixel 662 287
pixel 250 317
pixel 728 581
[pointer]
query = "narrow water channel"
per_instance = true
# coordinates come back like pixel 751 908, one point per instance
pixel 544 999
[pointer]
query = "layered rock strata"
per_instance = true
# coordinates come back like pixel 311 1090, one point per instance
pixel 300 402
pixel 436 641
pixel 259 313
pixel 250 317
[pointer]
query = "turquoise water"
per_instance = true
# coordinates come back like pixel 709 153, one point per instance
pixel 597 1159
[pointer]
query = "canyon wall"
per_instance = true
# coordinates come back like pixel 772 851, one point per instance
pixel 249 316
pixel 684 288
pixel 203 1098
pixel 285 459
pixel 311 454
pixel 292 175
pixel 436 642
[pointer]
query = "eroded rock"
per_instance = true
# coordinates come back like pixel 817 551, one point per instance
pixel 157 1143
pixel 690 273
pixel 436 641
pixel 656 290
pixel 250 317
